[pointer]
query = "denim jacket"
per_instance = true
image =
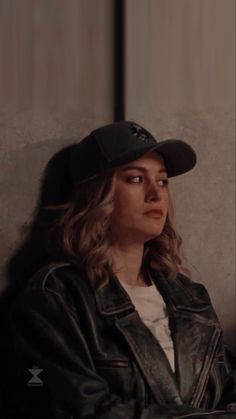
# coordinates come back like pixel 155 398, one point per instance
pixel 85 353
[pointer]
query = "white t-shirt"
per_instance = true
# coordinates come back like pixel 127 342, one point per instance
pixel 152 310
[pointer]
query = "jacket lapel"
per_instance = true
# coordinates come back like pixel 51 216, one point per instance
pixel 195 333
pixel 113 301
pixel 151 359
pixel 195 342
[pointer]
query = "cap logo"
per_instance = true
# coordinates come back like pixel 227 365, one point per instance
pixel 140 133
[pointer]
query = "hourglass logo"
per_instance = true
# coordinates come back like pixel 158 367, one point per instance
pixel 35 381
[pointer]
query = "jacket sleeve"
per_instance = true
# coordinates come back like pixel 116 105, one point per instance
pixel 228 398
pixel 46 335
pixel 224 368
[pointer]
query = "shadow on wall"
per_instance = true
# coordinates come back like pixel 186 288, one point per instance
pixel 56 187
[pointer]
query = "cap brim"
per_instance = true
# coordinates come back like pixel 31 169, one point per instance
pixel 179 157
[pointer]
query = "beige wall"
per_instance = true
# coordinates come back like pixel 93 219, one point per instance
pixel 56 84
pixel 180 78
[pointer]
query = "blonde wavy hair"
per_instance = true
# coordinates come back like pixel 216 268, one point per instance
pixel 81 232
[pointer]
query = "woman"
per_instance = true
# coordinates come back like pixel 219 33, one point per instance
pixel 112 327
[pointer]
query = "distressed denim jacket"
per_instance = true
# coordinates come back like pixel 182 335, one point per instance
pixel 85 353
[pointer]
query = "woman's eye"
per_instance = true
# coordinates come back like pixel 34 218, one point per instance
pixel 163 182
pixel 135 179
pixel 140 179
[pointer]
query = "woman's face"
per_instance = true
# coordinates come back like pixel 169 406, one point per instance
pixel 141 199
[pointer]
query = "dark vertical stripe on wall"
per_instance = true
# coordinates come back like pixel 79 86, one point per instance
pixel 119 60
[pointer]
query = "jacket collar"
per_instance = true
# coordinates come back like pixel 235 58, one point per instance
pixel 181 293
pixel 178 294
pixel 112 299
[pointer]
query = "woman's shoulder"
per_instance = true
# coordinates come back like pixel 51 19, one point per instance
pixel 57 285
pixel 62 279
pixel 49 274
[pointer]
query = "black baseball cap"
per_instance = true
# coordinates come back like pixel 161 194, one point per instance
pixel 122 142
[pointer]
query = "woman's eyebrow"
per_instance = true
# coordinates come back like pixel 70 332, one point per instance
pixel 142 169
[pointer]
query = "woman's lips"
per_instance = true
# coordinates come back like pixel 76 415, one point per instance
pixel 155 213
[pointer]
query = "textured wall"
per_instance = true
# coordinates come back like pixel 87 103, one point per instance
pixel 182 54
pixel 56 84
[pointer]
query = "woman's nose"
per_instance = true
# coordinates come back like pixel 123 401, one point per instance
pixel 153 193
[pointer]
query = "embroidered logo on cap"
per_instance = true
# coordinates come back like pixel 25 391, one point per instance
pixel 140 133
